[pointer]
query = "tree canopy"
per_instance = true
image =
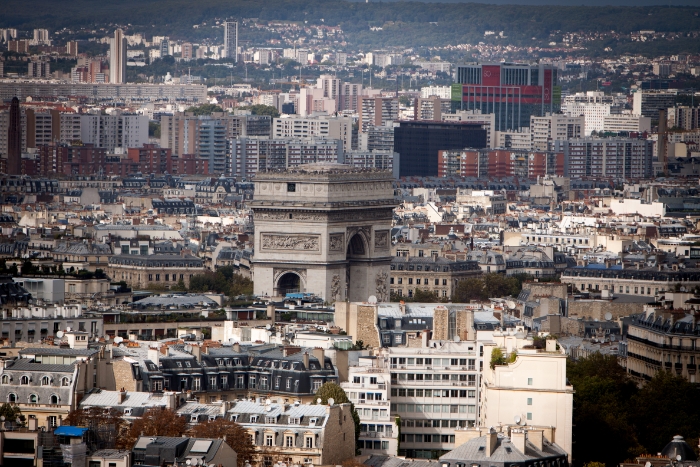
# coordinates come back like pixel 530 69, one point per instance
pixel 488 286
pixel 614 420
pixel 156 422
pixel 261 109
pixel 204 109
pixel 225 280
pixel 234 435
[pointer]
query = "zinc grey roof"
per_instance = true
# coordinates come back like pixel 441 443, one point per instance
pixel 505 451
pixel 110 453
pixel 133 399
pixel 26 364
pixel 195 408
pixel 58 351
pixel 386 461
pixel 185 300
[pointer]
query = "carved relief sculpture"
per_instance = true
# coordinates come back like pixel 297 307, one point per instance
pixel 381 239
pixel 335 287
pixel 290 242
pixel 336 242
pixel 382 295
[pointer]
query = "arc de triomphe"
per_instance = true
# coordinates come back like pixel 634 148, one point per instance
pixel 324 229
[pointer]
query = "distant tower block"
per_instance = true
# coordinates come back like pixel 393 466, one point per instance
pixel 324 229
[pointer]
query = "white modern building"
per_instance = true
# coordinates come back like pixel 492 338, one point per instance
pixel 368 388
pixel 231 40
pixel 114 131
pixel 626 122
pixel 117 58
pixel 314 127
pixel 434 390
pixel 545 130
pixel 531 391
pixel 443 92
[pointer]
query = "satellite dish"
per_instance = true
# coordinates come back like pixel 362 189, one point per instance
pixel 511 304
pixel 517 419
pixel 59 334
pixel 268 401
pixel 268 327
pixel 318 401
pixel 331 401
pixel 118 340
pixel 268 408
pixel 608 316
pixel 457 339
pixel 372 299
pixel 679 457
pixel 189 462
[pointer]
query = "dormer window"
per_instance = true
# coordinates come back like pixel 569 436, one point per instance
pixel 24 380
pixel 179 364
pixel 45 381
pixel 295 421
pixel 270 419
pixel 312 422
pixel 253 419
pixel 188 364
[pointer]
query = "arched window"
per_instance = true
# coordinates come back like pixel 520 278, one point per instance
pixel 65 382
pixel 5 379
pixel 45 381
pixel 12 397
pixel 33 398
pixel 24 380
pixel 53 399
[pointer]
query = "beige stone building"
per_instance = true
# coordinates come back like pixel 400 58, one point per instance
pixel 638 279
pixel 658 340
pixel 323 229
pixel 297 434
pixel 434 274
pixel 155 270
pixel 47 382
pixel 531 391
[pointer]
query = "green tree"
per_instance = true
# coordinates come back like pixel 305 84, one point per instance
pixel 260 109
pixel 234 435
pixel 154 129
pixel 204 109
pixel 497 358
pixel 469 289
pixel 602 426
pixel 666 406
pixel 11 413
pixel 335 392
pixel 425 296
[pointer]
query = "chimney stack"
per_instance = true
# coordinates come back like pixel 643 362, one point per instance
pixel 306 360
pixel 122 395
pixel 491 442
pixel 518 438
pixel 536 437
pixel 319 354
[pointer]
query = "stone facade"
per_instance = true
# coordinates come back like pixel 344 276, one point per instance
pixel 323 229
pixel 546 289
pixel 154 270
pixel 367 325
pixel 596 309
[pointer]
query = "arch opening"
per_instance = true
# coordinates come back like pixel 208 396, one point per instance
pixel 288 282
